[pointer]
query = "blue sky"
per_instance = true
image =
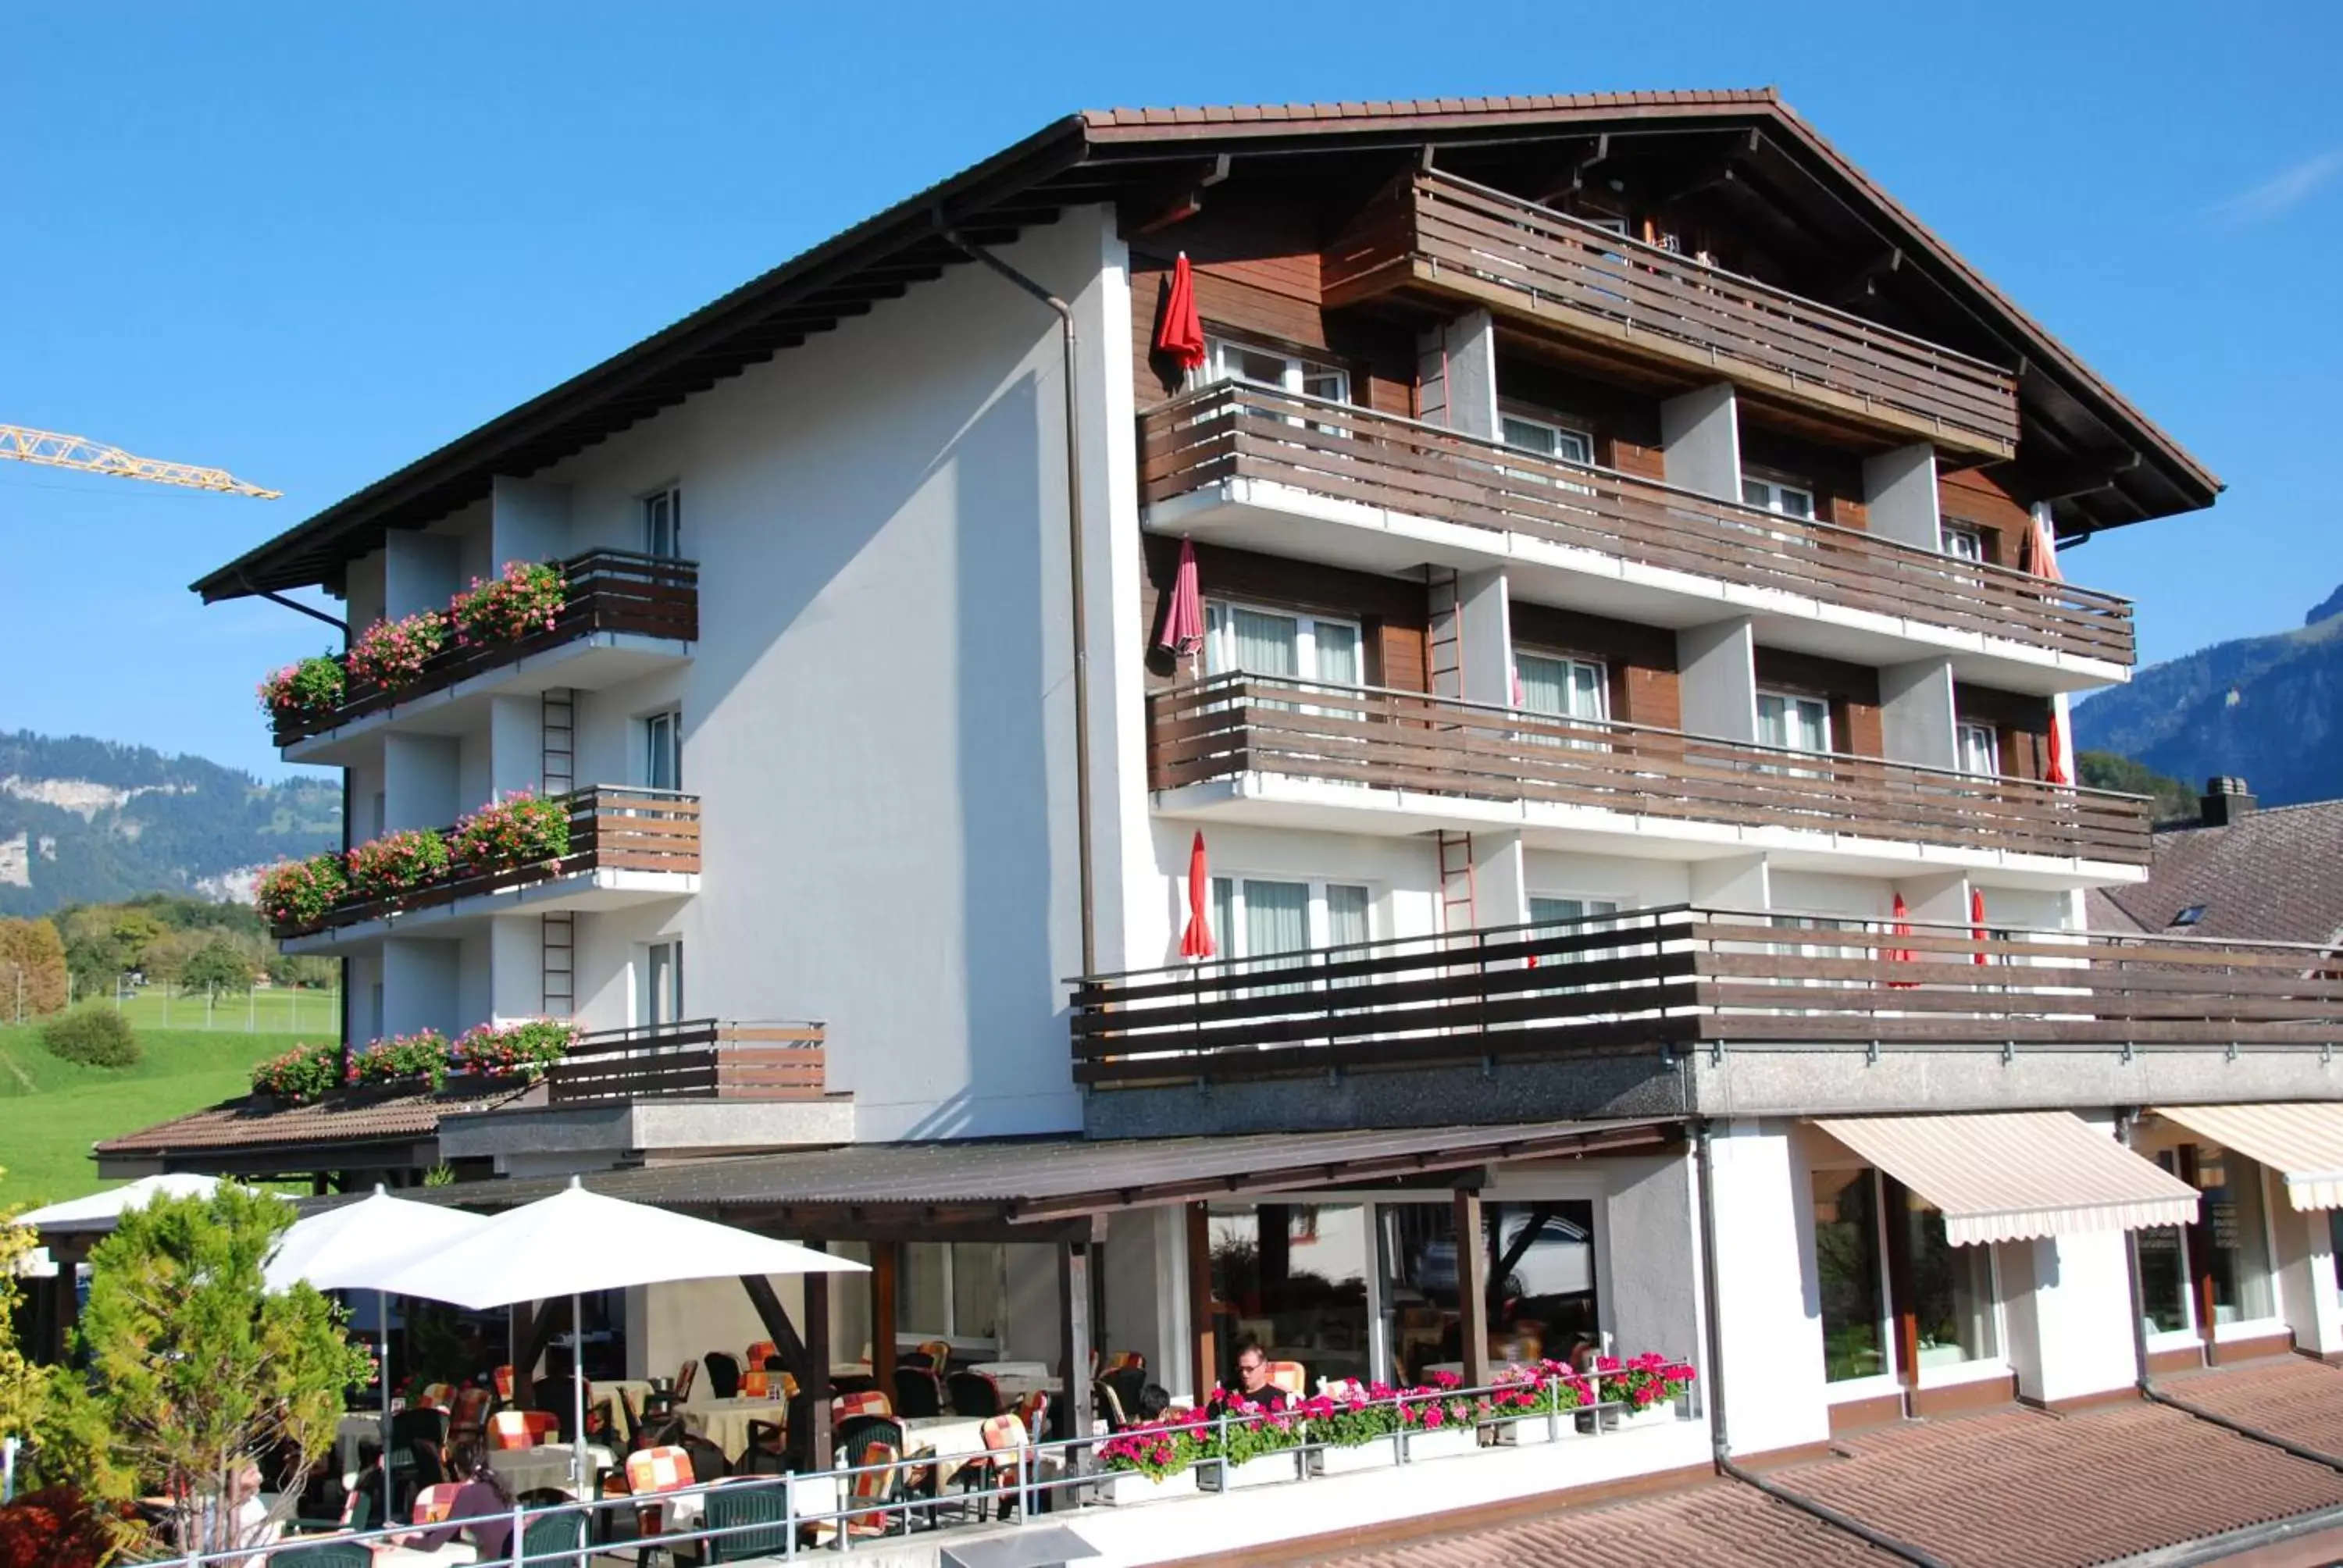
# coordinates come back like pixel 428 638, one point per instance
pixel 311 242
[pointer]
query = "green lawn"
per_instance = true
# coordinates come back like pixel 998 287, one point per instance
pixel 270 1010
pixel 51 1111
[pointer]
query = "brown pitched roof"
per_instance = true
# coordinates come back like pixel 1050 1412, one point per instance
pixel 2276 875
pixel 256 1124
pixel 2292 1397
pixel 1101 154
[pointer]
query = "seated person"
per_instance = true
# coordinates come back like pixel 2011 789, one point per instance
pixel 1253 1386
pixel 1153 1400
pixel 482 1499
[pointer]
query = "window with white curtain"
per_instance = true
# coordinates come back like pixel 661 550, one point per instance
pixel 1774 496
pixel 1238 638
pixel 1963 541
pixel 1231 361
pixel 1258 915
pixel 1979 749
pixel 950 1290
pixel 1546 438
pixel 1793 723
pixel 1564 687
pixel 663 523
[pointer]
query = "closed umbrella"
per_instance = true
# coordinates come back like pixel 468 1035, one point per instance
pixel 1196 942
pixel 1183 618
pixel 1977 920
pixel 1902 928
pixel 2041 557
pixel 1182 335
pixel 576 1242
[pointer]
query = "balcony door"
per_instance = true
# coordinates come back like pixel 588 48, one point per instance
pixel 659 985
pixel 1979 749
pixel 1568 689
pixel 1788 722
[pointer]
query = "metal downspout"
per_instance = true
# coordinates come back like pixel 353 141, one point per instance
pixel 1720 1441
pixel 1065 313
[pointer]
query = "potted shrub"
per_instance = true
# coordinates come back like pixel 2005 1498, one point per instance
pixel 294 895
pixel 1438 1421
pixel 390 654
pixel 520 1050
pixel 1353 1429
pixel 1539 1406
pixel 1148 1463
pixel 1646 1389
pixel 524 598
pixel 521 829
pixel 1252 1447
pixel 304 693
pixel 397 863
pixel 301 1075
pixel 401 1059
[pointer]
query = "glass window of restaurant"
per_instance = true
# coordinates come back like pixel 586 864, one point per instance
pixel 1292 1279
pixel 950 1290
pixel 2230 1246
pixel 1953 1295
pixel 1851 1273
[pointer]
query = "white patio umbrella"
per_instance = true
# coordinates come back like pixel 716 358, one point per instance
pixel 576 1242
pixel 355 1248
pixel 99 1211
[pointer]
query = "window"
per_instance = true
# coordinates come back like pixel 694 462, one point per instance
pixel 1292 1277
pixel 1550 911
pixel 1525 434
pixel 1952 1291
pixel 2166 1302
pixel 1792 723
pixel 1237 640
pixel 1231 361
pixel 1772 496
pixel 950 1290
pixel 1538 1257
pixel 663 524
pixel 1563 917
pixel 2191 915
pixel 1847 1271
pixel 659 985
pixel 1255 916
pixel 663 751
pixel 1564 687
pixel 1963 541
pixel 1980 749
pixel 2240 1263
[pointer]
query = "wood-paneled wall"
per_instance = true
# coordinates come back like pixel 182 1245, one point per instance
pixel 1392 612
pixel 1625 423
pixel 1971 497
pixel 1834 474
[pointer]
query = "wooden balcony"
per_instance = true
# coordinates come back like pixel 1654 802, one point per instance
pixel 611 829
pixel 699 1059
pixel 608 592
pixel 1435 232
pixel 1680 978
pixel 1234 725
pixel 1334 452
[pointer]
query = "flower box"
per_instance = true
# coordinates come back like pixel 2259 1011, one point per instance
pixel 1267 1469
pixel 1375 1453
pixel 1123 1488
pixel 1441 1443
pixel 1535 1429
pixel 1663 1414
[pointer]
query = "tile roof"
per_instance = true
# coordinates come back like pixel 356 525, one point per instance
pixel 2097 1485
pixel 361 1118
pixel 2276 875
pixel 1335 115
pixel 2292 1397
pixel 1714 1524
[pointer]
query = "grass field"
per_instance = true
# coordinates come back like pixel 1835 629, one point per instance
pixel 51 1111
pixel 271 1011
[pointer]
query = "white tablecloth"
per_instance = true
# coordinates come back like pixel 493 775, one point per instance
pixel 952 1434
pixel 634 1390
pixel 725 1422
pixel 1027 1369
pixel 546 1465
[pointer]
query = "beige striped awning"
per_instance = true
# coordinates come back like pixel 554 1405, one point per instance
pixel 2012 1176
pixel 2303 1141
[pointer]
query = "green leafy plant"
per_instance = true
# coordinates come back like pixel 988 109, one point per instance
pixel 522 1049
pixel 423 1054
pixel 195 1370
pixel 1159 1452
pixel 303 692
pixel 300 1075
pixel 521 829
pixel 94 1036
pixel 397 862
pixel 58 1527
pixel 392 654
pixel 25 1384
pixel 295 894
pixel 1256 1436
pixel 526 597
pixel 217 965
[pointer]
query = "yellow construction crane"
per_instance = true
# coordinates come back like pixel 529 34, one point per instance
pixel 95 457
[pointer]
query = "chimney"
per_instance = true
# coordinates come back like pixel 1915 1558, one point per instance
pixel 2226 801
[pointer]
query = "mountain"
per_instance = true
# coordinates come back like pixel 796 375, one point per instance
pixel 2269 709
pixel 85 820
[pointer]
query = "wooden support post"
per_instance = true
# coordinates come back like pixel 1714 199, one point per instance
pixel 1903 1305
pixel 1471 1288
pixel 781 1331
pixel 886 1272
pixel 1203 1341
pixel 1075 1337
pixel 816 1388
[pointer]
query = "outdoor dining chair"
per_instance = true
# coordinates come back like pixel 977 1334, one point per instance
pixel 757 1518
pixel 684 1379
pixel 863 1402
pixel 501 1379
pixel 1291 1376
pixel 418 1442
pixel 767 1453
pixel 468 1415
pixel 918 1393
pixel 1109 1404
pixel 762 1351
pixel 553 1538
pixel 974 1394
pixel 323 1554
pixel 651 1472
pixel 433 1504
pixel 723 1373
pixel 1033 1413
pixel 509 1429
pixel 875 1442
pixel 939 1354
pixel 1002 1466
pixel 1129 1383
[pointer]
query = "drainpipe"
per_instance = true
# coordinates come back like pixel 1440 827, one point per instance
pixel 1081 616
pixel 1720 1441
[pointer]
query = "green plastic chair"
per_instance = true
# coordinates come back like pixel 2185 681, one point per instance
pixel 552 1537
pixel 734 1507
pixel 322 1554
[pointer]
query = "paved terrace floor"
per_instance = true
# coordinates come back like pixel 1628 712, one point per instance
pixel 2010 1487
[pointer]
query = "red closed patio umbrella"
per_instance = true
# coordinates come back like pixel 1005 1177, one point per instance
pixel 1183 618
pixel 1977 920
pixel 2042 559
pixel 1902 928
pixel 1196 942
pixel 1182 333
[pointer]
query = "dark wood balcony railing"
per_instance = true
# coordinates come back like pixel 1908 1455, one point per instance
pixel 1405 740
pixel 1434 231
pixel 611 828
pixel 606 591
pixel 1680 979
pixel 1341 452
pixel 699 1059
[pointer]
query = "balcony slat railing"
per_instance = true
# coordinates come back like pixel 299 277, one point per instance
pixel 1434 230
pixel 1232 725
pixel 699 1059
pixel 606 591
pixel 1679 978
pixel 610 828
pixel 1341 452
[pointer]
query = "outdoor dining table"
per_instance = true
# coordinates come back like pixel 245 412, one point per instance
pixel 958 1435
pixel 1017 1379
pixel 725 1422
pixel 545 1467
pixel 635 1392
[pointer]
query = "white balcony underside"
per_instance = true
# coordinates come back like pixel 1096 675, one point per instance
pixel 589 663
pixel 1281 801
pixel 1279 519
pixel 585 892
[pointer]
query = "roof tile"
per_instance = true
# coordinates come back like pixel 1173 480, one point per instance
pixel 2274 876
pixel 253 1123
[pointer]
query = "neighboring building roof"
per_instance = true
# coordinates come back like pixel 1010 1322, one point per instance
pixel 1101 155
pixel 2292 1397
pixel 257 1125
pixel 2275 876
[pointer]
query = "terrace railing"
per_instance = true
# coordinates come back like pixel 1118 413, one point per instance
pixel 1341 452
pixel 1407 741
pixel 606 591
pixel 699 1059
pixel 1682 977
pixel 1431 230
